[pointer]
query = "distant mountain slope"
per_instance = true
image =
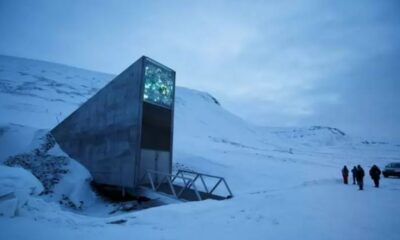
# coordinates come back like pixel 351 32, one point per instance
pixel 40 94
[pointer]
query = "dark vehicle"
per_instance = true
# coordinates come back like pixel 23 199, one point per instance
pixel 392 169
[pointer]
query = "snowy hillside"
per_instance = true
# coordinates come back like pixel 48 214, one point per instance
pixel 286 181
pixel 43 92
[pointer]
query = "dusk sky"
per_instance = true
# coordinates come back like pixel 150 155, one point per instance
pixel 274 63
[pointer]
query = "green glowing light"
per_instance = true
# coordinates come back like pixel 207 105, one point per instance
pixel 158 85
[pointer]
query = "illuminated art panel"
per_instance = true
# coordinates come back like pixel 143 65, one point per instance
pixel 158 84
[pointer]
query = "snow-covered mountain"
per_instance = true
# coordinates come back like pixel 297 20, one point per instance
pixel 285 180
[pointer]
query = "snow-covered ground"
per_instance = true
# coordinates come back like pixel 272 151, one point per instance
pixel 286 181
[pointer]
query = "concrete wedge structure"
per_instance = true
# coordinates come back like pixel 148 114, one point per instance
pixel 126 128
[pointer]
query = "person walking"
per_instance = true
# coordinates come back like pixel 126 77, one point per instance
pixel 360 177
pixel 375 174
pixel 354 173
pixel 345 174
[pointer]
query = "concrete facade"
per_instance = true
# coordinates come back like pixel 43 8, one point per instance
pixel 117 134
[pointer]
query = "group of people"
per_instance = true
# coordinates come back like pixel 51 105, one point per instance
pixel 358 175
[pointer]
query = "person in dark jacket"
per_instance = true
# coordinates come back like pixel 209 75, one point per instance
pixel 360 177
pixel 375 174
pixel 345 174
pixel 354 173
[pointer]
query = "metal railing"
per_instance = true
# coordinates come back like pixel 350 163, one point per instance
pixel 188 180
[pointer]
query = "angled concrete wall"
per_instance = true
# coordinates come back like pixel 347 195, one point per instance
pixel 105 133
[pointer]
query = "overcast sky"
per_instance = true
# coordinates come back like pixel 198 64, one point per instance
pixel 274 63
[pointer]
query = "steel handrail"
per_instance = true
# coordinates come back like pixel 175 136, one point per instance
pixel 188 182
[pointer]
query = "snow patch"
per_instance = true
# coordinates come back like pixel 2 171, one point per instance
pixel 16 187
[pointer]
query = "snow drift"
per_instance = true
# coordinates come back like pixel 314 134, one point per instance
pixel 16 187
